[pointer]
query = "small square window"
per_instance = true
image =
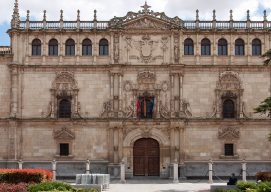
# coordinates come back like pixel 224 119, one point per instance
pixel 64 149
pixel 228 149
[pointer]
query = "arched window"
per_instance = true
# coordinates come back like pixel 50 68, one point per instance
pixel 228 109
pixel 103 47
pixel 239 47
pixel 222 47
pixel 53 47
pixel 70 47
pixel 86 47
pixel 64 108
pixel 188 47
pixel 205 47
pixel 256 47
pixel 36 47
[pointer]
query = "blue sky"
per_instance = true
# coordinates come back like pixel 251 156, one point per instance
pixel 107 10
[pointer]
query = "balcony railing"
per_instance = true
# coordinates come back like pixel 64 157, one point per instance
pixel 5 50
pixel 189 24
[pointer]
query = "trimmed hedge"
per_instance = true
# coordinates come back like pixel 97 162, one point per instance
pixel 50 186
pixel 24 175
pixel 6 187
pixel 263 176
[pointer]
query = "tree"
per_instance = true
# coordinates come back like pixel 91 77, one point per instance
pixel 267 56
pixel 265 106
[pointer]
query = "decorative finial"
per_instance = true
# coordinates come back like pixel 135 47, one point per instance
pixel 27 15
pixel 78 15
pixel 231 18
pixel 146 7
pixel 61 15
pixel 248 16
pixel 44 15
pixel 95 15
pixel 214 16
pixel 264 16
pixel 15 22
pixel 197 14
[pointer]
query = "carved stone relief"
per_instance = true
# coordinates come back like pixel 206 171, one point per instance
pixel 176 48
pixel 64 134
pixel 116 48
pixel 229 133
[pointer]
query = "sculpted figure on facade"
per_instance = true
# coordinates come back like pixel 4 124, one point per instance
pixel 116 48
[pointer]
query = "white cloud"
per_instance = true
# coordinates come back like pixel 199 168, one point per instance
pixel 107 9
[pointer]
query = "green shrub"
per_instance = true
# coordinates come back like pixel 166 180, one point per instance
pixel 264 187
pixel 50 186
pixel 263 176
pixel 243 186
pixel 20 177
pixel 87 190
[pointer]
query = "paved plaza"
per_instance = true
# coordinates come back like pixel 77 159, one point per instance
pixel 160 186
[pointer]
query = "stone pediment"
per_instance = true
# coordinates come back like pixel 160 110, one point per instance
pixel 145 19
pixel 64 134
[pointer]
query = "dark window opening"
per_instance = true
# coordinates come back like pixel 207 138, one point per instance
pixel 228 109
pixel 53 47
pixel 222 47
pixel 64 149
pixel 239 47
pixel 64 110
pixel 144 107
pixel 36 47
pixel 228 149
pixel 188 47
pixel 86 47
pixel 70 47
pixel 103 47
pixel 256 47
pixel 205 47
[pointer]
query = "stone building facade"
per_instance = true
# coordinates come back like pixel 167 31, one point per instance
pixel 145 89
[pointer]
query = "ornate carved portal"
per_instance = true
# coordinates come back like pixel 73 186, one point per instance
pixel 229 88
pixel 64 87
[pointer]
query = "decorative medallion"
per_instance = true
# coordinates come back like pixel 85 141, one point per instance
pixel 229 133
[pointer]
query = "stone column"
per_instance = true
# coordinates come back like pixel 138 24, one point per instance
pixel 181 144
pixel 120 129
pixel 111 144
pixel 116 145
pixel 20 163
pixel 175 172
pixel 244 170
pixel 12 138
pixel 14 91
pixel 172 94
pixel 122 172
pixel 87 167
pixel 172 144
pixel 210 171
pixel 54 169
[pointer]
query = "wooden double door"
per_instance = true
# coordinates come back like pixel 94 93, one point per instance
pixel 146 155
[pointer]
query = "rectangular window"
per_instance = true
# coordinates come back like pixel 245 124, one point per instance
pixel 228 149
pixel 64 149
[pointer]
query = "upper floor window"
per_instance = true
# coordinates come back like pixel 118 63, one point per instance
pixel 86 47
pixel 144 107
pixel 103 47
pixel 256 47
pixel 36 47
pixel 53 47
pixel 70 47
pixel 205 47
pixel 228 108
pixel 222 47
pixel 239 47
pixel 188 47
pixel 64 108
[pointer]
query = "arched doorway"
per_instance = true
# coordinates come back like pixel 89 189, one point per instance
pixel 146 157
